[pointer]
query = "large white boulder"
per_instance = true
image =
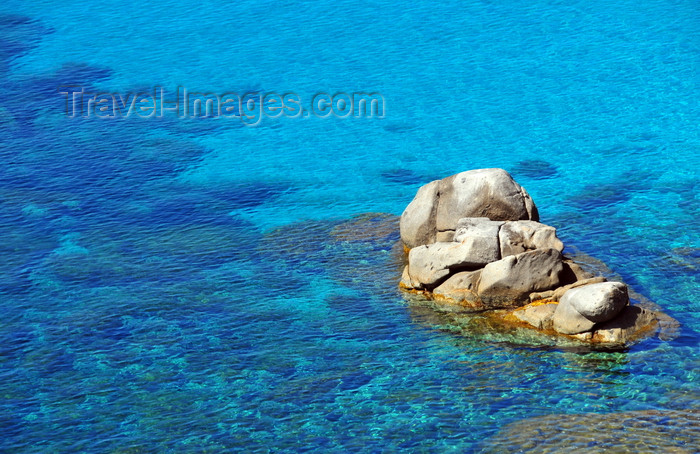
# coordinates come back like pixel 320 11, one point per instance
pixel 439 205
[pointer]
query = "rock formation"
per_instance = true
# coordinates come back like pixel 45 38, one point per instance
pixel 474 244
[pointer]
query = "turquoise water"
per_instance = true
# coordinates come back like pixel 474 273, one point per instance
pixel 175 285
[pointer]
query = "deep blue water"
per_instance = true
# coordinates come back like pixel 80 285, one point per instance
pixel 173 285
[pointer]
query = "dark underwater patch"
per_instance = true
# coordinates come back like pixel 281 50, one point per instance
pixel 298 244
pixel 353 381
pixel 22 250
pixel 399 128
pixel 250 195
pixel 350 305
pixel 684 260
pixel 535 169
pixel 113 175
pixel 193 204
pixel 75 73
pixel 18 35
pixel 45 90
pixel 57 360
pixel 139 256
pixel 403 176
pixel 627 149
pixel 599 196
pixel 12 422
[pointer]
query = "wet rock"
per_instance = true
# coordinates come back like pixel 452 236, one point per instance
pixel 460 288
pixel 539 316
pixel 406 282
pixel 630 324
pixel 582 307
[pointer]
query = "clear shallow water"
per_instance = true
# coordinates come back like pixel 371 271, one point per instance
pixel 190 285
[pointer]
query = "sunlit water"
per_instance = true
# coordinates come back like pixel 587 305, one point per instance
pixel 192 286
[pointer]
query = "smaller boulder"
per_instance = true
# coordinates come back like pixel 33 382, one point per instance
pixel 477 227
pixel 598 302
pixel 567 320
pixel 521 236
pixel 581 308
pixel 460 288
pixel 538 316
pixel 509 281
pixel 431 263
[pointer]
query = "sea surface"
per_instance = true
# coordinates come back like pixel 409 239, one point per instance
pixel 201 285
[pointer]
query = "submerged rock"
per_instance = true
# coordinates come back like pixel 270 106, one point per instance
pixel 649 431
pixel 474 244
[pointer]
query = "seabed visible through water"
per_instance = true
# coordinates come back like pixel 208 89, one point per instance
pixel 174 285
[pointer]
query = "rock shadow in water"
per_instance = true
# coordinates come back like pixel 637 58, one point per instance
pixel 535 169
pixel 599 197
